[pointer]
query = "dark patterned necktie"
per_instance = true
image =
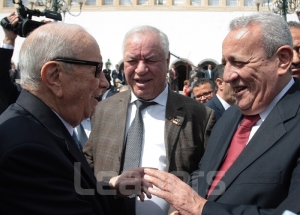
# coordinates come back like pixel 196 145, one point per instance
pixel 76 141
pixel 135 137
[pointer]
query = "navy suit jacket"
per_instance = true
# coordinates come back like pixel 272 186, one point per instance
pixel 216 105
pixel 42 169
pixel 8 91
pixel 265 178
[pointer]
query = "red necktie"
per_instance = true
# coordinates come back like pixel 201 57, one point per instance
pixel 238 143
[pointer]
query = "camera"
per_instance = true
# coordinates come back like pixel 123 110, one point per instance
pixel 25 25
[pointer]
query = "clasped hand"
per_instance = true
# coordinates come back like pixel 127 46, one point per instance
pixel 131 182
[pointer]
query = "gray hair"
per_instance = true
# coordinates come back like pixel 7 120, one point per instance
pixel 275 31
pixel 293 24
pixel 164 42
pixel 46 43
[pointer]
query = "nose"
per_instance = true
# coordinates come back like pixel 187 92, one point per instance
pixel 103 83
pixel 141 67
pixel 230 73
pixel 296 59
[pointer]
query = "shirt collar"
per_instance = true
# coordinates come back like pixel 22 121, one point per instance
pixel 263 115
pixel 223 102
pixel 67 125
pixel 160 99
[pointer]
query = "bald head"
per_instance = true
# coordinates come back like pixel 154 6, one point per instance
pixel 48 42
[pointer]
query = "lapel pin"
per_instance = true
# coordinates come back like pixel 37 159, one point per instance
pixel 176 121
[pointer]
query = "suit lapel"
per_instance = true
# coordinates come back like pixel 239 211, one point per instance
pixel 43 113
pixel 271 130
pixel 173 121
pixel 121 114
pixel 222 145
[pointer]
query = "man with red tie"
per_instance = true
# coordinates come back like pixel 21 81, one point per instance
pixel 251 164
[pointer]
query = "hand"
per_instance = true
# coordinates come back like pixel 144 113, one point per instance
pixel 183 198
pixel 131 182
pixel 10 36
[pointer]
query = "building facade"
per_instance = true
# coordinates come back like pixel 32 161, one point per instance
pixel 196 28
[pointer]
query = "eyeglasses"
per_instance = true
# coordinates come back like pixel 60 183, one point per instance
pixel 204 95
pixel 98 65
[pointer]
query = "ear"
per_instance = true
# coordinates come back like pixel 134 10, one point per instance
pixel 51 77
pixel 285 57
pixel 219 83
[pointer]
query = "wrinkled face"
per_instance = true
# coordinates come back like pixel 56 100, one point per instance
pixel 82 89
pixel 145 65
pixel 228 93
pixel 203 93
pixel 252 76
pixel 296 59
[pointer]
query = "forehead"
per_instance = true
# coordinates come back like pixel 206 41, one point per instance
pixel 242 40
pixel 203 87
pixel 144 44
pixel 90 49
pixel 295 34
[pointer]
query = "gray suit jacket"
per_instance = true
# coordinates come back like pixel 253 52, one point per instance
pixel 265 178
pixel 184 143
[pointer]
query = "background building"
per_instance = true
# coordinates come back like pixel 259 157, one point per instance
pixel 195 28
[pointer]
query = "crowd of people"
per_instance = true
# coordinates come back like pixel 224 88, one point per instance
pixel 234 149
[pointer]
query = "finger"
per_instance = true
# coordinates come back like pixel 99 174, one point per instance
pixel 134 173
pixel 163 181
pixel 146 191
pixel 142 197
pixel 161 194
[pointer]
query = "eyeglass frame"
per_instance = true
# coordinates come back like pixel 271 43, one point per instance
pixel 98 65
pixel 204 95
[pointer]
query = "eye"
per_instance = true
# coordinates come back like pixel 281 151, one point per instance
pixel 238 63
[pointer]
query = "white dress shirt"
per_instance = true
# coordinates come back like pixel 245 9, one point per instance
pixel 153 151
pixel 223 102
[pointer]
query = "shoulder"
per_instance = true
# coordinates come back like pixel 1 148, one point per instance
pixel 212 103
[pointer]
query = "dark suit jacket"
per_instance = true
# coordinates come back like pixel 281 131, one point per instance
pixel 206 74
pixel 107 74
pixel 184 143
pixel 9 91
pixel 265 178
pixel 38 174
pixel 171 75
pixel 116 76
pixel 216 105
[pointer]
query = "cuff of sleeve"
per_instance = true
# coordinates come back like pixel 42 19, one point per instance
pixel 6 46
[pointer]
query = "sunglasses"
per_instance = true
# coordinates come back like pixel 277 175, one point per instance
pixel 98 65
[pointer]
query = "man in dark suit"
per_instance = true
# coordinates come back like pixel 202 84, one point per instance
pixel 107 72
pixel 8 91
pixel 173 77
pixel 209 73
pixel 176 128
pixel 116 74
pixel 295 31
pixel 224 97
pixel 255 170
pixel 42 168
